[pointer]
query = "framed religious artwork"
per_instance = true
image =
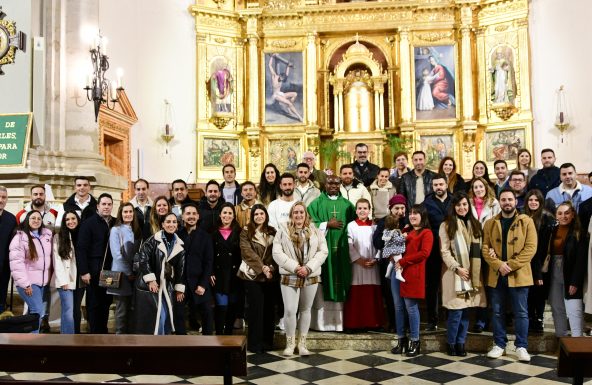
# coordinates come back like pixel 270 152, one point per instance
pixel 503 77
pixel 504 144
pixel 218 152
pixel 285 153
pixel 220 86
pixel 436 147
pixel 435 82
pixel 284 88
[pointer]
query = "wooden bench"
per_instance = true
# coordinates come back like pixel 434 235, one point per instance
pixel 575 358
pixel 125 354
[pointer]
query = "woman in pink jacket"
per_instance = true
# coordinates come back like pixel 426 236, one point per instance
pixel 30 262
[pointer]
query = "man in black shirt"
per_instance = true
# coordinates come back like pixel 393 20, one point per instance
pixel 364 171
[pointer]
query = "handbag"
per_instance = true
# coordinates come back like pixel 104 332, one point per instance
pixel 545 267
pixel 109 279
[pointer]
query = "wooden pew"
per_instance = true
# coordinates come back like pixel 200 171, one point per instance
pixel 575 358
pixel 125 354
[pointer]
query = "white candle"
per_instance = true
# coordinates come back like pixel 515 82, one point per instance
pixel 113 90
pixel 120 77
pixel 89 80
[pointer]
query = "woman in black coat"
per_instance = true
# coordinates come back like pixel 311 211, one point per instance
pixel 544 223
pixel 161 261
pixel 227 259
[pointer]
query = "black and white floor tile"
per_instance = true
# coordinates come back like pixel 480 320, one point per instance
pixel 350 367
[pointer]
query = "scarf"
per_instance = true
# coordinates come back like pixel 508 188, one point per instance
pixel 467 252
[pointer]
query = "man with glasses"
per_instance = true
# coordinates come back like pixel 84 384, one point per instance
pixel 364 171
pixel 318 177
pixel 517 183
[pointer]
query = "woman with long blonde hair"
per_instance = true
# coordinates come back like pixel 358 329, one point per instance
pixel 299 249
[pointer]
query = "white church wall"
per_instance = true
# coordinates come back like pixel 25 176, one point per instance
pixel 560 55
pixel 154 43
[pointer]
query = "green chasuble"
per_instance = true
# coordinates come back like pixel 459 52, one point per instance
pixel 336 271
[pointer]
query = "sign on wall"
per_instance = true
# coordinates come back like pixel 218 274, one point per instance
pixel 15 130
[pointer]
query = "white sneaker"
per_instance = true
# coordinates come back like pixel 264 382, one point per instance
pixel 496 352
pixel 522 355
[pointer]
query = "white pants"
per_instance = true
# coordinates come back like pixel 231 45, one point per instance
pixel 561 308
pixel 297 300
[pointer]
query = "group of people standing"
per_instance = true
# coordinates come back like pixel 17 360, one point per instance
pixel 353 251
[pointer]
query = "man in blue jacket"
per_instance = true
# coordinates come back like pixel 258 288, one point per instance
pixel 569 189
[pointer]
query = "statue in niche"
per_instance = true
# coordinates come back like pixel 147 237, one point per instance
pixel 502 75
pixel 221 86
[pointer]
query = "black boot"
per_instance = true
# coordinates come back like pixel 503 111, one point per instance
pixel 451 349
pixel 460 350
pixel 401 346
pixel 220 319
pixel 413 349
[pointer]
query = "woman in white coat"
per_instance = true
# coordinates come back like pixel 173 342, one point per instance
pixel 65 276
pixel 299 249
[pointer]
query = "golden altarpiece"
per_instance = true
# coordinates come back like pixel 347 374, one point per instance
pixel 276 78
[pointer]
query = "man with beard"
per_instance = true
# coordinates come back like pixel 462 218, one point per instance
pixel 142 206
pixel 417 184
pixel 231 189
pixel 500 168
pixel 81 201
pixel 546 178
pixel 279 209
pixel 569 189
pixel 364 171
pixel 352 189
pixel 331 213
pixel 48 214
pixel 91 251
pixel 305 190
pixel 517 182
pixel 509 243
pixel 180 196
pixel 437 204
pixel 7 227
pixel 249 199
pixel 209 206
pixel 199 259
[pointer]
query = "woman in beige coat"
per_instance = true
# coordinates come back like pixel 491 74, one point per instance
pixel 299 249
pixel 462 287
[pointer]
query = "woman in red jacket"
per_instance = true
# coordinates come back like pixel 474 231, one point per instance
pixel 417 250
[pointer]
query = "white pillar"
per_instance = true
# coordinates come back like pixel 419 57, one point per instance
pixel 341 114
pixel 336 112
pixel 381 109
pixel 376 111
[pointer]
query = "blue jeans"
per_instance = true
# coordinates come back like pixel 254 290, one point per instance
pixel 165 320
pixel 36 302
pixel 67 319
pixel 457 326
pixel 519 299
pixel 410 305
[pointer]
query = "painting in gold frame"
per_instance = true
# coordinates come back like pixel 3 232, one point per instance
pixel 285 153
pixel 503 144
pixel 284 88
pixel 218 152
pixel 436 148
pixel 435 82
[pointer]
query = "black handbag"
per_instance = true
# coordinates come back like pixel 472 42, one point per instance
pixel 109 279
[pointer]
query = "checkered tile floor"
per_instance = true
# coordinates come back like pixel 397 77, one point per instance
pixel 345 367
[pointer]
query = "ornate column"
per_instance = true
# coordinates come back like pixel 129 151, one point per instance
pixel 341 111
pixel 200 78
pixel 311 79
pixel 467 74
pixel 376 109
pixel 336 111
pixel 405 76
pixel 253 86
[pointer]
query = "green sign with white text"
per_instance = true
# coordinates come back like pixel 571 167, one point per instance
pixel 14 139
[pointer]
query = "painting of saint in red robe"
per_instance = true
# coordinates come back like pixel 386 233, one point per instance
pixel 435 82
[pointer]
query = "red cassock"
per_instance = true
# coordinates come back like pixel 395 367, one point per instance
pixel 418 247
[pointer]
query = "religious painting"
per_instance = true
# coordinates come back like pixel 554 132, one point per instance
pixel 503 78
pixel 221 86
pixel 435 88
pixel 284 96
pixel 220 151
pixel 436 148
pixel 284 153
pixel 503 144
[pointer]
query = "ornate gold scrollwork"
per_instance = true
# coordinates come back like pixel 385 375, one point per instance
pixel 282 43
pixel 220 121
pixel 504 111
pixel 434 36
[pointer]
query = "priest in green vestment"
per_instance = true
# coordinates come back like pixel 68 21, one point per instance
pixel 331 213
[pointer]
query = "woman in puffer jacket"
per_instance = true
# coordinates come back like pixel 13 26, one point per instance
pixel 30 262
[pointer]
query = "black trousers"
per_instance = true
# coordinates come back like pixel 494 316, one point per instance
pixel 260 314
pixel 433 280
pixel 387 294
pixel 204 308
pixel 97 306
pixel 536 302
pixel 78 295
